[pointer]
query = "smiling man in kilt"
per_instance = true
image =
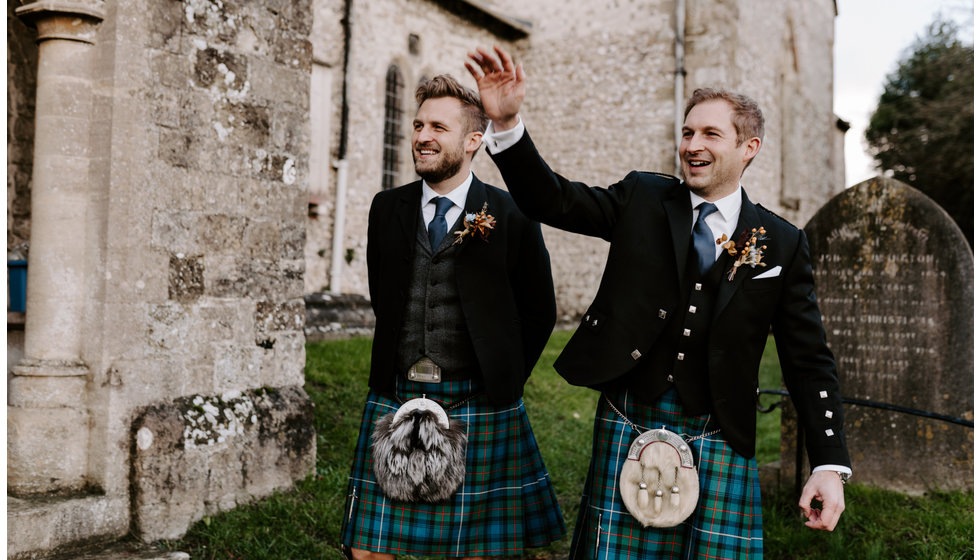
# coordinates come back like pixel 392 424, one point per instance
pixel 461 287
pixel 696 278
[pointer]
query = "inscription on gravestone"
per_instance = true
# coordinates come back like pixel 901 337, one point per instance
pixel 894 281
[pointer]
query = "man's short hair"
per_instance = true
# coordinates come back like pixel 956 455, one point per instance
pixel 746 114
pixel 444 85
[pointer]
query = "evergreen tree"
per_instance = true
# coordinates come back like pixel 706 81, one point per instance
pixel 922 131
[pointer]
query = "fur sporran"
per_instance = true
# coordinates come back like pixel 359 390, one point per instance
pixel 419 453
pixel 658 482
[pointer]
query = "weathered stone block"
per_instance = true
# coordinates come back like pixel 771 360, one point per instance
pixel 44 524
pixel 216 20
pixel 52 441
pixel 294 52
pixel 224 71
pixel 262 239
pixel 268 80
pixel 177 232
pixel 273 316
pixel 284 361
pixel 164 25
pixel 177 148
pixel 228 320
pixel 169 70
pixel 168 329
pixel 204 454
pixel 244 123
pixel 293 237
pixel 236 367
pixel 221 233
pixel 44 392
pixel 186 277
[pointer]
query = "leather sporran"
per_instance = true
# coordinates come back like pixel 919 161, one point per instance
pixel 419 453
pixel 658 481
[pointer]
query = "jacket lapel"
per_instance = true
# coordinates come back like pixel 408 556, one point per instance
pixel 748 218
pixel 409 212
pixel 475 198
pixel 680 220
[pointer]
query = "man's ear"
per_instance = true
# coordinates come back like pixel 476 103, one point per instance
pixel 473 142
pixel 751 147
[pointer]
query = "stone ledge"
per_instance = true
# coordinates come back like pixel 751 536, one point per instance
pixel 331 316
pixel 43 526
pixel 124 550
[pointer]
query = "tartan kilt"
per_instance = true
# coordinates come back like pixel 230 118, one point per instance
pixel 727 522
pixel 505 504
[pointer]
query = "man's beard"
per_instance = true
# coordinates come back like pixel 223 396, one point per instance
pixel 448 166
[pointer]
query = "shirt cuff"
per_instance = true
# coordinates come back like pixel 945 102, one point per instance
pixel 835 468
pixel 499 141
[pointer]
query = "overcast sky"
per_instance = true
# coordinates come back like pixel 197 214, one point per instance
pixel 871 37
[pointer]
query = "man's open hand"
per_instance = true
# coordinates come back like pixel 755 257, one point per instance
pixel 501 85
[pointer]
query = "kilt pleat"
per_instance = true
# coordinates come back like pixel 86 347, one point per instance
pixel 727 522
pixel 505 504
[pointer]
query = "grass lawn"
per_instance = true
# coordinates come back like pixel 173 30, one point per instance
pixel 305 523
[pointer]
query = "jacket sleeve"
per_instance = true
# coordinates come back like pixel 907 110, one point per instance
pixel 809 368
pixel 373 252
pixel 549 198
pixel 534 293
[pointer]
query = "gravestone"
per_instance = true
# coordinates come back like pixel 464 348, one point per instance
pixel 894 281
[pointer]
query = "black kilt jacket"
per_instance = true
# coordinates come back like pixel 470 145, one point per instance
pixel 505 286
pixel 647 218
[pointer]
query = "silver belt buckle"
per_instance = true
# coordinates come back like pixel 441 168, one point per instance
pixel 425 371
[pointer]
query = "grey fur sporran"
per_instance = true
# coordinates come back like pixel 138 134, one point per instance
pixel 419 453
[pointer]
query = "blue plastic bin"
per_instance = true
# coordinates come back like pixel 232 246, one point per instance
pixel 17 285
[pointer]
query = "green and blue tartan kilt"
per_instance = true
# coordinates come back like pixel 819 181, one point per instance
pixel 505 504
pixel 727 522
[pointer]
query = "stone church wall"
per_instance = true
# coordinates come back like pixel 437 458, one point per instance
pixel 192 313
pixel 600 102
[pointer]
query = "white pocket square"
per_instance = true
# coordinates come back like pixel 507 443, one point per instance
pixel 771 273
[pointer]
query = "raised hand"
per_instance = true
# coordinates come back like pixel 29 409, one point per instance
pixel 501 85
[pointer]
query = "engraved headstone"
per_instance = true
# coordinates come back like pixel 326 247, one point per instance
pixel 894 281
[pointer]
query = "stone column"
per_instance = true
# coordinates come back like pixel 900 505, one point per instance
pixel 47 417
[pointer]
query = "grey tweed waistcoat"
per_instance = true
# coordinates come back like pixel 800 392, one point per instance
pixel 434 324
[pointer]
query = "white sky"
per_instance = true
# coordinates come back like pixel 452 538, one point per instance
pixel 871 37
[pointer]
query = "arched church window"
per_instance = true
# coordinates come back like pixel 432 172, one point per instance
pixel 393 127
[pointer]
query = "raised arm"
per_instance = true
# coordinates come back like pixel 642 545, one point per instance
pixel 501 85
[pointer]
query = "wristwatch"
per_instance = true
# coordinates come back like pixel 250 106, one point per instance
pixel 844 477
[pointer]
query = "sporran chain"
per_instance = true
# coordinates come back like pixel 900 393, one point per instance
pixel 640 429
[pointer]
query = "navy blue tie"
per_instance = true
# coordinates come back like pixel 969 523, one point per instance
pixel 438 227
pixel 704 242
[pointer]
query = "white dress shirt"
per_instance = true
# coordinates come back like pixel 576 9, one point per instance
pixel 457 196
pixel 723 221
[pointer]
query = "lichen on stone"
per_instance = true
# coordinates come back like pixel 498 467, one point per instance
pixel 213 419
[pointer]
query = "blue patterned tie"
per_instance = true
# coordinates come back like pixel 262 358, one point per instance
pixel 704 242
pixel 438 227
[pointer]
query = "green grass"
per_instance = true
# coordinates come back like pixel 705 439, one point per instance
pixel 305 523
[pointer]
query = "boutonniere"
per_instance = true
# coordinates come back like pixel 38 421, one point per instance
pixel 746 250
pixel 476 224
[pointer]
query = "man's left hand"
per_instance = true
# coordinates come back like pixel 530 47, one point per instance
pixel 826 487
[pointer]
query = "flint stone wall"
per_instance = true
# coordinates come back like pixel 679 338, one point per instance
pixel 600 102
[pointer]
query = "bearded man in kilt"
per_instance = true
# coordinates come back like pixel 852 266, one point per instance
pixel 696 278
pixel 461 287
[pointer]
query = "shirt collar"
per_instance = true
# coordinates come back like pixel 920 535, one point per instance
pixel 728 206
pixel 457 195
